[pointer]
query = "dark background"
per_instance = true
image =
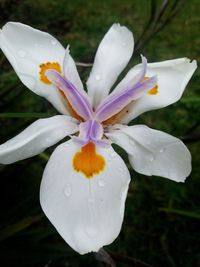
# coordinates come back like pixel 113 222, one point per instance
pixel 161 225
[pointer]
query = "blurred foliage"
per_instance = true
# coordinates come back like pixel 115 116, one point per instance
pixel 161 225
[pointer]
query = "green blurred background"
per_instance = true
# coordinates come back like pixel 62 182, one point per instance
pixel 161 224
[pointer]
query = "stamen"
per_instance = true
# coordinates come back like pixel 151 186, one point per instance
pixel 88 162
pixel 48 66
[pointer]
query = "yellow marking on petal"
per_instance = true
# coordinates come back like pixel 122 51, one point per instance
pixel 88 161
pixel 48 66
pixel 152 91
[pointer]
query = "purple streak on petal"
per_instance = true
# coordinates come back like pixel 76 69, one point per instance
pixel 90 131
pixel 79 141
pixel 140 76
pixel 79 102
pixel 116 101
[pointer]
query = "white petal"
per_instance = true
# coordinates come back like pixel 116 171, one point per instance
pixel 112 56
pixel 87 213
pixel 173 76
pixel 40 135
pixel 26 48
pixel 70 71
pixel 153 152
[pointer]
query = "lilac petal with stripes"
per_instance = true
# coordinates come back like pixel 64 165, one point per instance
pixel 116 101
pixel 77 99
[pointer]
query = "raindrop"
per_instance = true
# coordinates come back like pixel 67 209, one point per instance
pixel 113 155
pixel 22 53
pixel 90 200
pixel 132 142
pixel 91 231
pixel 68 190
pixel 97 77
pixel 162 150
pixel 48 140
pixel 124 44
pixel 152 158
pixel 53 42
pixel 120 169
pixel 101 183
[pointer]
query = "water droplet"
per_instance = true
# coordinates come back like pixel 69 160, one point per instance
pixel 132 142
pixel 113 155
pixel 90 200
pixel 152 158
pixel 162 150
pixel 124 44
pixel 101 183
pixel 97 77
pixel 91 231
pixel 120 169
pixel 73 120
pixel 53 42
pixel 68 190
pixel 22 53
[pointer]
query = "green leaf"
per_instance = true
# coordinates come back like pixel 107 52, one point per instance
pixel 25 115
pixel 186 213
pixel 19 226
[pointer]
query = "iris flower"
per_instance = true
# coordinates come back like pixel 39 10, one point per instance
pixel 85 182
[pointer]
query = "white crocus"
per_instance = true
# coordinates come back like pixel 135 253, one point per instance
pixel 85 182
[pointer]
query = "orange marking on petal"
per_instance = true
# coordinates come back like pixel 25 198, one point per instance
pixel 88 162
pixel 154 90
pixel 70 108
pixel 48 66
pixel 118 116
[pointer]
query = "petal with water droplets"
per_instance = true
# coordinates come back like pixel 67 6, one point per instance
pixel 86 211
pixel 152 152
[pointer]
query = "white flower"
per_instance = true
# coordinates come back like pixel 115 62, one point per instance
pixel 85 182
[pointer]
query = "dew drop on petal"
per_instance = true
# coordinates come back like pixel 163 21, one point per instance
pixel 101 202
pixel 152 158
pixel 113 154
pixel 97 77
pixel 101 183
pixel 91 231
pixel 68 190
pixel 120 169
pixel 90 200
pixel 21 53
pixel 162 150
pixel 53 42
pixel 132 142
pixel 124 44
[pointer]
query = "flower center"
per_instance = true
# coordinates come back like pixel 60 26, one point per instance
pixel 88 161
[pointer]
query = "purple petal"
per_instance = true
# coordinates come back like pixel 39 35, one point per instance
pixel 116 101
pixel 79 102
pixel 91 131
